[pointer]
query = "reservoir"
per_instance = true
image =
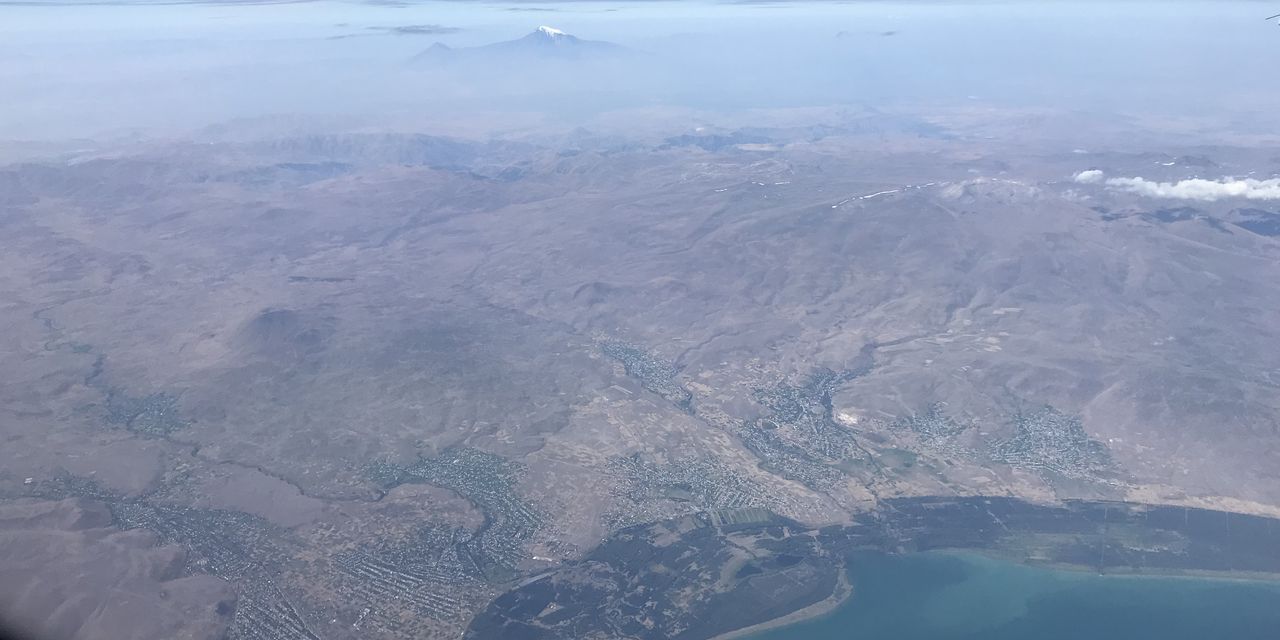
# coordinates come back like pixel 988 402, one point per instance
pixel 964 596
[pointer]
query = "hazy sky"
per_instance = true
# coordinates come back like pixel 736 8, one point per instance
pixel 82 70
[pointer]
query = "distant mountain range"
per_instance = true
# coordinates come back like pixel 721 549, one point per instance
pixel 547 43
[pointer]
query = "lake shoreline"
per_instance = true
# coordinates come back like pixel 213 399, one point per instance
pixel 1115 571
pixel 815 611
pixel 1011 596
pixel 844 590
pixel 805 574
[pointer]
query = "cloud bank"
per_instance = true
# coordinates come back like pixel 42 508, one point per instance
pixel 1192 189
pixel 1092 176
pixel 1201 189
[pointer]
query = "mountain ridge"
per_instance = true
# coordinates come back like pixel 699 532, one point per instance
pixel 545 43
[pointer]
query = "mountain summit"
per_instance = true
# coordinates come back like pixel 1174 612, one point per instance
pixel 551 32
pixel 550 38
pixel 543 43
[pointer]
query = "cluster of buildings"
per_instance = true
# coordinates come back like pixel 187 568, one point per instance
pixel 1051 442
pixel 655 374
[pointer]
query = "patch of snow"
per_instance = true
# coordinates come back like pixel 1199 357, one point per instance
pixel 878 194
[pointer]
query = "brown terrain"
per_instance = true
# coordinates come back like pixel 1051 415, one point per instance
pixel 356 385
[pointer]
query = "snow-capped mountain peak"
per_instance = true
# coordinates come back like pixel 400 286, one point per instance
pixel 543 43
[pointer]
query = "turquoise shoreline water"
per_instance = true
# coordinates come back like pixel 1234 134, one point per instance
pixel 954 596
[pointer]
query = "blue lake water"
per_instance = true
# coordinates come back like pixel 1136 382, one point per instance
pixel 952 596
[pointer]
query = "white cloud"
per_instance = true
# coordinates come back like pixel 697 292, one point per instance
pixel 1192 189
pixel 1199 188
pixel 1092 176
